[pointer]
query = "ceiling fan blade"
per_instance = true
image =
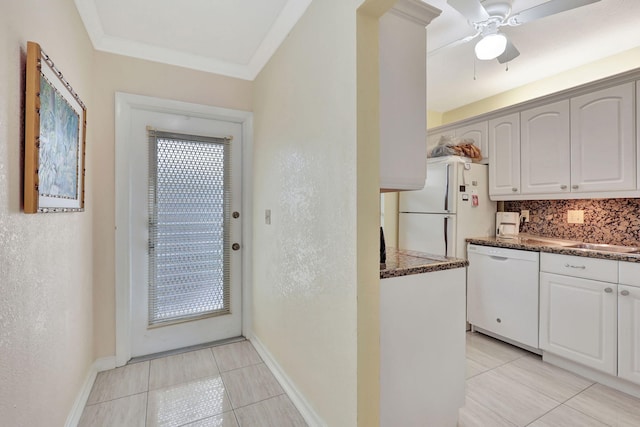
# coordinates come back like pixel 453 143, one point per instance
pixel 510 53
pixel 452 44
pixel 470 9
pixel 546 9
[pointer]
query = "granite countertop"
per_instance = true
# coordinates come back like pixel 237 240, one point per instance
pixel 403 263
pixel 551 245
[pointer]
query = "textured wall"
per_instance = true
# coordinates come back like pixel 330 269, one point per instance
pixel 304 164
pixel 123 74
pixel 613 221
pixel 46 265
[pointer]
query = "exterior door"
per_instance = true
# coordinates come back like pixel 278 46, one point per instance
pixel 185 276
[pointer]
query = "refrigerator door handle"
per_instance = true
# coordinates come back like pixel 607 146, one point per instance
pixel 446 188
pixel 446 236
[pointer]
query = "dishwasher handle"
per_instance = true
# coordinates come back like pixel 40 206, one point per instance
pixel 498 258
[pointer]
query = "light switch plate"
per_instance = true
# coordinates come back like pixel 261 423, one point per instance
pixel 575 217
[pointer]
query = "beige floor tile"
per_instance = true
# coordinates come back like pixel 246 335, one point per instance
pixel 275 412
pixel 227 419
pixel 474 414
pixel 250 385
pixel 608 405
pixel 563 416
pixel 180 368
pixel 508 398
pixel 556 383
pixel 236 355
pixel 474 368
pixel 126 411
pixel 490 352
pixel 120 382
pixel 187 402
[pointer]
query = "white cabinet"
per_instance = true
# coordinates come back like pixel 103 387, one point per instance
pixel 545 149
pixel 603 153
pixel 422 349
pixel 629 322
pixel 578 315
pixel 403 109
pixel 479 133
pixel 504 155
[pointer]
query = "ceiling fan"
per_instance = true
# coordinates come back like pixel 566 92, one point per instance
pixel 487 16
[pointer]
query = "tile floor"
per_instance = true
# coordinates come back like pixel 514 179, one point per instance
pixel 508 387
pixel 230 386
pixel 222 386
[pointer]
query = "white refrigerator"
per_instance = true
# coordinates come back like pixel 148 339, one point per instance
pixel 453 205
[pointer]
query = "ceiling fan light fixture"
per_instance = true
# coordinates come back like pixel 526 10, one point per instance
pixel 491 46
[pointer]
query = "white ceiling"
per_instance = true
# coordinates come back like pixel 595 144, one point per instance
pixel 547 46
pixel 237 37
pixel 230 37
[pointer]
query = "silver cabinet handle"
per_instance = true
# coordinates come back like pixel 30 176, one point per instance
pixel 608 290
pixel 563 187
pixel 575 187
pixel 581 267
pixel 624 293
pixel 514 189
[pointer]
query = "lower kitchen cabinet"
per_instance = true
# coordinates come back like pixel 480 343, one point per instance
pixel 422 349
pixel 578 320
pixel 629 322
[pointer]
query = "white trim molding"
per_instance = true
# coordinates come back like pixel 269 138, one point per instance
pixel 297 398
pixel 124 105
pixel 102 364
pixel 283 24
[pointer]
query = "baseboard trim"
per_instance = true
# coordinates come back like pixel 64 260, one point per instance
pixel 298 399
pixel 102 364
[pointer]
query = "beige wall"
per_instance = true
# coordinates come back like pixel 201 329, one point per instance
pixel 306 171
pixel 619 63
pixel 46 267
pixel 114 73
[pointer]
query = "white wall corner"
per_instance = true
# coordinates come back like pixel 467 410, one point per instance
pixel 102 364
pixel 297 398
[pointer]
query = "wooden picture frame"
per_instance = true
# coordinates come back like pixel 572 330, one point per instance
pixel 55 139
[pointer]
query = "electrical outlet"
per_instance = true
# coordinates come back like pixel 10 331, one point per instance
pixel 524 214
pixel 575 217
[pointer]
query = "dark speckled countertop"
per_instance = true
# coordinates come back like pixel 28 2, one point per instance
pixel 550 245
pixel 402 263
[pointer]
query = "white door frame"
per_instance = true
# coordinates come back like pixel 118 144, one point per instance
pixel 124 104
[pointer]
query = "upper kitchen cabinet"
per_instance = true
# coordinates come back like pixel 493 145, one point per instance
pixel 545 153
pixel 403 90
pixel 504 155
pixel 478 132
pixel 603 153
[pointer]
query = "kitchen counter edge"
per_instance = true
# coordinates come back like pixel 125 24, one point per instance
pixel 553 249
pixel 403 263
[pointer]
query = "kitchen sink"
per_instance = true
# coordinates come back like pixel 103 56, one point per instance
pixel 605 248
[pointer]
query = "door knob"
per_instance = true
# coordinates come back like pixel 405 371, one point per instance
pixel 236 214
pixel 235 246
pixel 624 293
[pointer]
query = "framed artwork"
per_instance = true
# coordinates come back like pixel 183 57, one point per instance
pixel 55 138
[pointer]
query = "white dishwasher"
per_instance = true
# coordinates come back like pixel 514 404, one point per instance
pixel 502 293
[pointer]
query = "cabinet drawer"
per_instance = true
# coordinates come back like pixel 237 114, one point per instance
pixel 630 273
pixel 589 268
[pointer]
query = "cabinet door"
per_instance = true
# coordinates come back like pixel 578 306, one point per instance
pixel 578 320
pixel 545 155
pixel 478 132
pixel 603 155
pixel 504 155
pixel 403 111
pixel 629 333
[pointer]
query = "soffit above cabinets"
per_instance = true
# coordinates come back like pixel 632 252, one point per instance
pixel 230 37
pixel 547 47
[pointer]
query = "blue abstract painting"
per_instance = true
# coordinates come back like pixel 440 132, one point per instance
pixel 59 144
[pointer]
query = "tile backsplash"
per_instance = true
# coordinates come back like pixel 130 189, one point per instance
pixel 612 221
